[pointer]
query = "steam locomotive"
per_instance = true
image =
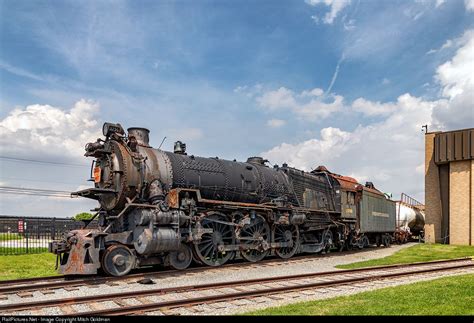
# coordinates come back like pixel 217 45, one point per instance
pixel 170 208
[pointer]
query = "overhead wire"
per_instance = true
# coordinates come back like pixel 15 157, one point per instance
pixel 8 158
pixel 37 191
pixel 34 191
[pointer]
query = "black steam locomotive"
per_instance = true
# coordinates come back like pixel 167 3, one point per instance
pixel 171 208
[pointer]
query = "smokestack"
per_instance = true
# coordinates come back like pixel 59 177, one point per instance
pixel 141 135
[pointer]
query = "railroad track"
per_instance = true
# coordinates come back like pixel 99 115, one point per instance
pixel 164 299
pixel 55 282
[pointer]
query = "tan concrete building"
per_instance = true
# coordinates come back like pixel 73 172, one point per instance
pixel 449 187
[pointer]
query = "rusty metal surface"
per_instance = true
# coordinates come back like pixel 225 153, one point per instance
pixel 141 135
pixel 173 198
pixel 83 258
pixel 347 183
pixel 361 188
pixel 454 146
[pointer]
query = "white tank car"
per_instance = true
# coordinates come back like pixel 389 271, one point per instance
pixel 411 217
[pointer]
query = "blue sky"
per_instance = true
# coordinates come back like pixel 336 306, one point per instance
pixel 344 83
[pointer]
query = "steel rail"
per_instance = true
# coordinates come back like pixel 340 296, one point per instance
pixel 93 298
pixel 11 286
pixel 127 310
pixel 65 281
pixel 154 272
pixel 30 280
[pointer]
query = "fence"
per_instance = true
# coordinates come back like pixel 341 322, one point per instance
pixel 22 235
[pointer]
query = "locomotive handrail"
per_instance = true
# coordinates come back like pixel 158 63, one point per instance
pixel 93 217
pixel 127 205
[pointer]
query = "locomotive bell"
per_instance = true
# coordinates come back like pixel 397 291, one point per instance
pixel 141 135
pixel 180 148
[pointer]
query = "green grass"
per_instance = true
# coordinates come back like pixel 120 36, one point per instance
pixel 10 236
pixel 9 251
pixel 417 253
pixel 26 266
pixel 444 296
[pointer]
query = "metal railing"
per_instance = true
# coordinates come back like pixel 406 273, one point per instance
pixel 406 199
pixel 25 235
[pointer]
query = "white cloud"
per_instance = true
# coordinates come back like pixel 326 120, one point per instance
pixel 313 92
pixel 317 109
pixel 469 5
pixel 370 108
pixel 350 25
pixel 21 72
pixel 336 72
pixel 456 78
pixel 276 123
pixel 336 7
pixel 420 169
pixel 308 154
pixel 386 152
pixel 439 3
pixel 385 81
pixel 47 130
pixel 249 91
pixel 457 112
pixel 281 98
pixel 447 44
pixel 457 74
pixel 309 105
pixel 389 152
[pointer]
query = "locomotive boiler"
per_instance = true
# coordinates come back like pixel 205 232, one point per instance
pixel 170 208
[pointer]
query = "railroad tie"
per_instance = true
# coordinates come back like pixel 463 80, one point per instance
pixel 168 311
pixel 67 310
pixel 277 297
pixel 219 305
pixel 144 300
pixel 120 302
pixel 261 299
pixel 112 284
pixel 242 302
pixel 95 306
pixel 94 286
pixel 36 312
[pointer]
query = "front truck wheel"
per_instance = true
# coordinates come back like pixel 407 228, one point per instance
pixel 118 260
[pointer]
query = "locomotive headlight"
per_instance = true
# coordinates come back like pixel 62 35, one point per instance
pixel 97 174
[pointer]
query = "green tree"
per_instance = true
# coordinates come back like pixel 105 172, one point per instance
pixel 83 216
